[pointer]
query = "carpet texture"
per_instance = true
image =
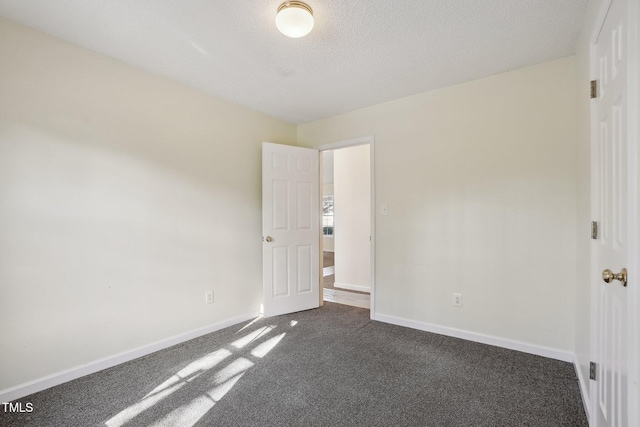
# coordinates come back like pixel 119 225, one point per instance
pixel 331 366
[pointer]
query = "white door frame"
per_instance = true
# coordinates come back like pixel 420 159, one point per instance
pixel 370 140
pixel 634 210
pixel 633 189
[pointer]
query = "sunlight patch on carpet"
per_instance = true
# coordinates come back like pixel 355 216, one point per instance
pixel 224 379
pixel 264 348
pixel 134 410
pixel 242 342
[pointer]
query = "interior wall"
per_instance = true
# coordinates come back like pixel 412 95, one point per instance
pixel 352 217
pixel 480 182
pixel 124 196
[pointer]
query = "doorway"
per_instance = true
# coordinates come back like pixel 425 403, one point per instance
pixel 347 223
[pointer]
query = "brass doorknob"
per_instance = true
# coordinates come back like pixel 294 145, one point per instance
pixel 608 276
pixel 269 239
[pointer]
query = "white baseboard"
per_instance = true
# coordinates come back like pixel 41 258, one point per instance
pixel 25 389
pixel 351 287
pixel 584 388
pixel 538 350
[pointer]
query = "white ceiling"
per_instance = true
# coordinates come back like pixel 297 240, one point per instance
pixel 360 53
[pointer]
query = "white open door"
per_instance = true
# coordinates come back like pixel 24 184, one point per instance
pixel 610 394
pixel 290 229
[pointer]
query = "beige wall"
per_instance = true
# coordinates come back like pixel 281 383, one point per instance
pixel 352 199
pixel 480 182
pixel 123 198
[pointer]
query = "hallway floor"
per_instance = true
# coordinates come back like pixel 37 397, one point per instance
pixel 337 295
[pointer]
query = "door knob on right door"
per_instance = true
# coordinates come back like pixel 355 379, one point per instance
pixel 608 276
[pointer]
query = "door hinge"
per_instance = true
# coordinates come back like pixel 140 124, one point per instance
pixel 594 229
pixel 593 89
pixel 592 371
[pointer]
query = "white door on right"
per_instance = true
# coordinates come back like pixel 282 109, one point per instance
pixel 609 172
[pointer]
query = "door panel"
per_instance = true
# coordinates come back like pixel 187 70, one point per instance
pixel 280 268
pixel 291 221
pixel 610 250
pixel 305 281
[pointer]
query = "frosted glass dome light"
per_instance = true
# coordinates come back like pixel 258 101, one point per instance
pixel 294 19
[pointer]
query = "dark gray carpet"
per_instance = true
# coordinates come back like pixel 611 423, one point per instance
pixel 332 366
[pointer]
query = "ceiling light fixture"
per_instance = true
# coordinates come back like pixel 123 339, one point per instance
pixel 294 19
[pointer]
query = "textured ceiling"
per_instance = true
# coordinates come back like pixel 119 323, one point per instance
pixel 360 52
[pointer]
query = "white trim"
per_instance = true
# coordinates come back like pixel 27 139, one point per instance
pixel 372 182
pixel 538 350
pixel 359 288
pixel 594 212
pixel 370 139
pixel 633 153
pixel 593 269
pixel 584 387
pixel 344 144
pixel 25 389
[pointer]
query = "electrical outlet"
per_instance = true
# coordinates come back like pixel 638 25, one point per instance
pixel 457 300
pixel 208 297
